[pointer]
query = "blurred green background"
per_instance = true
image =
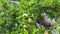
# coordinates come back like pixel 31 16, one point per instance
pixel 21 18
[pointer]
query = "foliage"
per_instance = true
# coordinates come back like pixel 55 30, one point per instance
pixel 21 18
